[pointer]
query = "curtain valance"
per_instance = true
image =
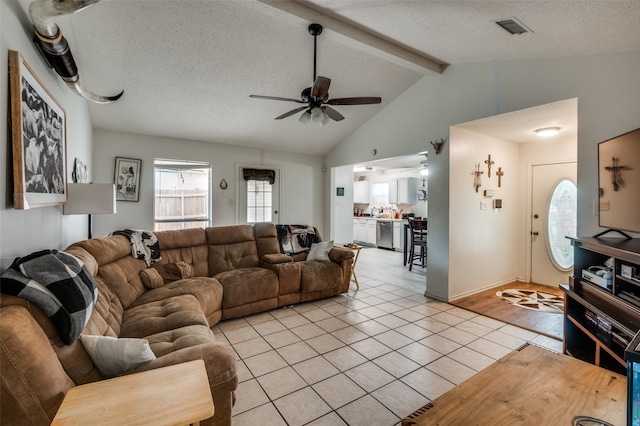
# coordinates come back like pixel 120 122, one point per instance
pixel 259 174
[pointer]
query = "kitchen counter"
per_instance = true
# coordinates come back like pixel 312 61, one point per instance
pixel 380 218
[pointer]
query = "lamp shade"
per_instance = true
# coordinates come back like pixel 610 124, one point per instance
pixel 90 198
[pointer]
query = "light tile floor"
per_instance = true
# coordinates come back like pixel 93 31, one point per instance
pixel 370 357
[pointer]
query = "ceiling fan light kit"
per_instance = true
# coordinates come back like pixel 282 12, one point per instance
pixel 316 98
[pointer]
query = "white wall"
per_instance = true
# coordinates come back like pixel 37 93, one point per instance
pixel 25 231
pixel 607 90
pixel 342 206
pixel 301 180
pixel 482 243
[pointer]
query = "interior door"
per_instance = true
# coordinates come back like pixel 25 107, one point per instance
pixel 551 219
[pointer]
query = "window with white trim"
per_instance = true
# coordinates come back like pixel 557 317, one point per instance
pixel 182 195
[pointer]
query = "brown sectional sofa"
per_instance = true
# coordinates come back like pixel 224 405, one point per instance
pixel 231 271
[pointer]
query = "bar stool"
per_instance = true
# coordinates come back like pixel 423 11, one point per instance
pixel 418 232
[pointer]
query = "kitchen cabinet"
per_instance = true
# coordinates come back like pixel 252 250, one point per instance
pixel 398 235
pixel 361 233
pixel 371 232
pixel 403 190
pixel 355 236
pixel 361 192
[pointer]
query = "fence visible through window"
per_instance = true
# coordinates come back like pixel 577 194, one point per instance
pixel 181 194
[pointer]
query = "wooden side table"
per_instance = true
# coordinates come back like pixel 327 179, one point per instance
pixel 174 395
pixel 356 249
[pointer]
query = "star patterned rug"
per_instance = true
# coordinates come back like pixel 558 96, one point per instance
pixel 532 299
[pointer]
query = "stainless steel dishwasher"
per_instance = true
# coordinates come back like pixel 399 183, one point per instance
pixel 384 234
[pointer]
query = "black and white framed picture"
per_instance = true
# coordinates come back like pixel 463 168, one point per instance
pixel 127 179
pixel 39 140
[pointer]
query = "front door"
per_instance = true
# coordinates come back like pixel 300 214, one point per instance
pixel 553 216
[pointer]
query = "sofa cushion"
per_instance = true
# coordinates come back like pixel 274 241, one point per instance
pixel 116 266
pixel 230 248
pixel 207 290
pixel 266 239
pixel 247 285
pixel 162 315
pixel 170 341
pixel 320 251
pixel 33 381
pixel 185 245
pixel 115 356
pixel 177 271
pixel 151 278
pixel 319 277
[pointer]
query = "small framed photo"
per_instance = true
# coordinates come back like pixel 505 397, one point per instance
pixel 127 179
pixel 39 139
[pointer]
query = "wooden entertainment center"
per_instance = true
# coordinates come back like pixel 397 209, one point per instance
pixel 602 317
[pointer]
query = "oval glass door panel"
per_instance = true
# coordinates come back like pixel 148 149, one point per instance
pixel 562 222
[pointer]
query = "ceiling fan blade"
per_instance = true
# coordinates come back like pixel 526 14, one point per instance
pixel 293 111
pixel 354 101
pixel 320 87
pixel 332 113
pixel 274 98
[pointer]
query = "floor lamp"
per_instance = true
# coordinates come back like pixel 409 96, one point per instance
pixel 90 198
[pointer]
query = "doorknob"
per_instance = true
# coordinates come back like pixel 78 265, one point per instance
pixel 535 216
pixel 275 212
pixel 534 233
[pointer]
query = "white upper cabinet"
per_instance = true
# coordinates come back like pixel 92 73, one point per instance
pixel 361 192
pixel 403 190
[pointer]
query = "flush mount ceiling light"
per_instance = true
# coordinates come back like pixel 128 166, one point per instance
pixel 548 131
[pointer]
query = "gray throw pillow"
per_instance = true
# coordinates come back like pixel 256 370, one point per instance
pixel 320 251
pixel 114 356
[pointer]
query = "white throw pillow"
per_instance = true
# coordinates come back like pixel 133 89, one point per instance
pixel 115 356
pixel 320 251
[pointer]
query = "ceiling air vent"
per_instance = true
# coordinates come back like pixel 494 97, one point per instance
pixel 513 26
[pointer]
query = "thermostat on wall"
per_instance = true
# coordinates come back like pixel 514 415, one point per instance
pixel 488 192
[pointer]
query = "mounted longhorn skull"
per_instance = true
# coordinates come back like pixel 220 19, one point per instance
pixel 55 48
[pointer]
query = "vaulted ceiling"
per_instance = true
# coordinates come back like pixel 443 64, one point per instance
pixel 188 67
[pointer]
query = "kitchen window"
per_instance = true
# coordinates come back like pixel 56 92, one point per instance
pixel 380 194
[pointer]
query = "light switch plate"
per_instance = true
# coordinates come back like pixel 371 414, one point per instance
pixel 483 205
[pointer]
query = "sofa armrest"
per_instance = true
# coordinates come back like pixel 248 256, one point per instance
pixel 339 254
pixel 276 258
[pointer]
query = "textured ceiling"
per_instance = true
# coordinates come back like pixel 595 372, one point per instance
pixel 188 67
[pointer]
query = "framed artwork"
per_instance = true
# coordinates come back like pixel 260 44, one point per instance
pixel 79 174
pixel 39 139
pixel 127 179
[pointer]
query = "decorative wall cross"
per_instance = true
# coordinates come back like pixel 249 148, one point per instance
pixel 616 176
pixel 476 179
pixel 499 173
pixel 488 162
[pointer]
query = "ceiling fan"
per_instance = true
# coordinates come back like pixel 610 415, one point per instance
pixel 316 98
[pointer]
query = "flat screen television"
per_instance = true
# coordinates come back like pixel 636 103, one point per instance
pixel 619 183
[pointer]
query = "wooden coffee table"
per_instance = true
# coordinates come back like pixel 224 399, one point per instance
pixel 530 387
pixel 174 395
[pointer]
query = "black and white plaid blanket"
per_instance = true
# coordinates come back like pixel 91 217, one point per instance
pixel 144 244
pixel 59 284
